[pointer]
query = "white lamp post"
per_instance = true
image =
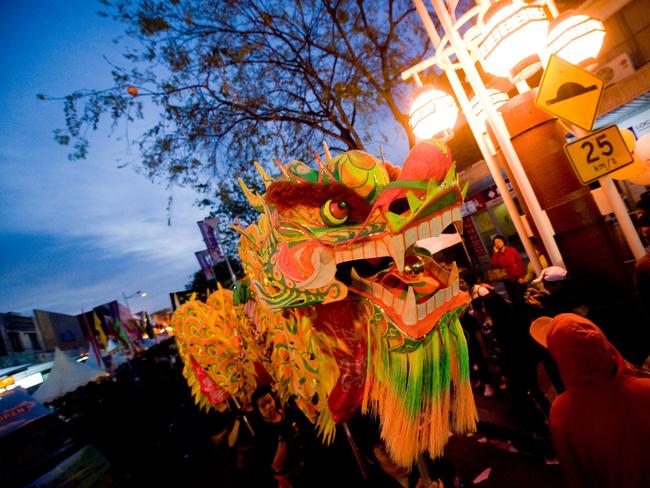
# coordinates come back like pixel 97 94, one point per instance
pixel 457 46
pixel 509 40
pixel 475 116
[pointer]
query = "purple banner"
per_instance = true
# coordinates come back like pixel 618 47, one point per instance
pixel 208 229
pixel 205 261
pixel 209 232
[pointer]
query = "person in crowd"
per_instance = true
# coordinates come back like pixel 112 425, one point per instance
pixel 509 259
pixel 518 364
pixel 600 425
pixel 241 444
pixel 644 204
pixel 556 296
pixel 530 270
pixel 642 267
pixel 483 342
pixel 279 442
pixel 476 286
pixel 478 355
pixel 491 338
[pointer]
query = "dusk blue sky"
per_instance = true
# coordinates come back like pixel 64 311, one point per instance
pixel 75 234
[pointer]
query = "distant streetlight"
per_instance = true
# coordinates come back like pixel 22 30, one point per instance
pixel 140 294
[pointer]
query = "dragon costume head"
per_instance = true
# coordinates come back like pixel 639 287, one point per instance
pixel 349 308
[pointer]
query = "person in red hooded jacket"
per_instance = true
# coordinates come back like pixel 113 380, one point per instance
pixel 601 424
pixel 509 259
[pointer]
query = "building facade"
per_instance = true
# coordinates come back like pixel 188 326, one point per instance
pixel 18 334
pixel 59 330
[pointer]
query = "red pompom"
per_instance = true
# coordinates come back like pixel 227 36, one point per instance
pixel 429 159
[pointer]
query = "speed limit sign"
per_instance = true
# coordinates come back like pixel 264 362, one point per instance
pixel 600 153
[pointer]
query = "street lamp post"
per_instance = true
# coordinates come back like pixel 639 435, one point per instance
pixel 498 126
pixel 478 129
pixel 505 29
pixel 138 293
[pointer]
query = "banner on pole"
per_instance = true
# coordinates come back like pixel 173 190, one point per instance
pixel 210 234
pixel 206 262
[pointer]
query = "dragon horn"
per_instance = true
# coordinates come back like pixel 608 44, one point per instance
pixel 265 177
pixel 284 171
pixel 323 168
pixel 254 199
pixel 328 156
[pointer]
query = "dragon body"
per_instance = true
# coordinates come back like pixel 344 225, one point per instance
pixel 341 305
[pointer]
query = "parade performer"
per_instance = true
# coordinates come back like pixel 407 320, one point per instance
pixel 341 306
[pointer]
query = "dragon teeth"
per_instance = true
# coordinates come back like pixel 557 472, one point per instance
pixel 440 298
pixel 408 309
pixel 446 219
pixel 357 251
pixel 396 249
pixel 436 226
pixel 448 293
pixel 424 231
pixel 398 305
pixel 355 276
pixel 369 250
pixel 411 235
pixel 387 297
pixel 362 284
pixel 396 245
pixel 422 311
pixel 376 289
pixel 410 315
pixel 382 249
pixel 343 255
pixel 453 273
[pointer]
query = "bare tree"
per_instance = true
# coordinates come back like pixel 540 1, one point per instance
pixel 229 81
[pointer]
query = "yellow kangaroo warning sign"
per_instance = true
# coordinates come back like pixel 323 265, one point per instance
pixel 598 154
pixel 570 92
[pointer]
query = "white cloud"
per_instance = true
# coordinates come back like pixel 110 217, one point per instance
pixel 115 210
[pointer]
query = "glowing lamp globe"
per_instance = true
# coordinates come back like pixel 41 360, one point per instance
pixel 575 38
pixel 433 112
pixel 514 36
pixel 497 99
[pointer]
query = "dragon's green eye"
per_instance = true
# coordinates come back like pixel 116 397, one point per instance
pixel 334 213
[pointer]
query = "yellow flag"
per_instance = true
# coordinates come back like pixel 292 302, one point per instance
pixel 100 331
